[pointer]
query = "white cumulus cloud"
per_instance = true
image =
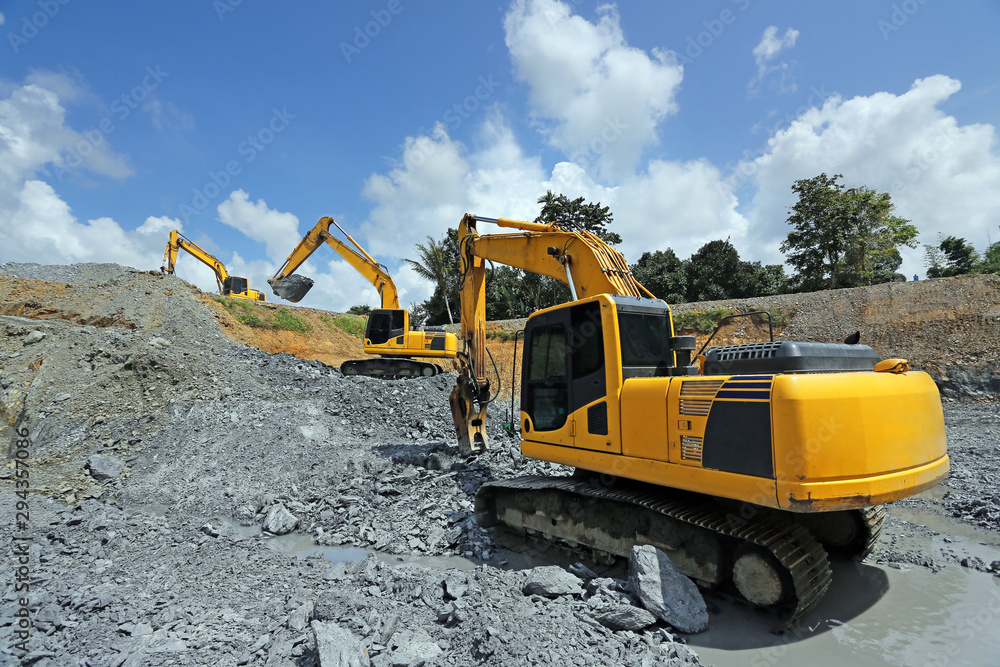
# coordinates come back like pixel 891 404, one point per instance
pixel 595 97
pixel 942 175
pixel 764 54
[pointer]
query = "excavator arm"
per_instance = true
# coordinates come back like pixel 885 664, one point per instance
pixel 581 260
pixel 232 286
pixel 294 287
pixel 178 242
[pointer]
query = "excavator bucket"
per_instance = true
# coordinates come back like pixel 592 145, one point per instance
pixel 291 288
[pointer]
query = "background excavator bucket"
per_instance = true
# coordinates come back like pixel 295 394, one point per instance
pixel 291 288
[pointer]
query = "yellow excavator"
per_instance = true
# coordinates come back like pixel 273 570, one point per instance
pixel 387 332
pixel 234 287
pixel 746 464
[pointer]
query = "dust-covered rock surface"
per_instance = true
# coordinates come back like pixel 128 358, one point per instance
pixel 192 501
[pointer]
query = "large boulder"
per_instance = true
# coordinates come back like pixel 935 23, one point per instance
pixel 279 521
pixel 661 589
pixel 338 647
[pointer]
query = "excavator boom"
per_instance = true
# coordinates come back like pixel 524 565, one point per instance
pixel 292 287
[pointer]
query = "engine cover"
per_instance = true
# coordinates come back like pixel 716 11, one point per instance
pixel 789 357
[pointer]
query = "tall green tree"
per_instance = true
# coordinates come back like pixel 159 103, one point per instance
pixel 438 262
pixel 953 256
pixel 575 215
pixel 711 271
pixel 843 237
pixel 990 261
pixel 663 274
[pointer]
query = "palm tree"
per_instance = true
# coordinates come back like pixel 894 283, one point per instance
pixel 433 266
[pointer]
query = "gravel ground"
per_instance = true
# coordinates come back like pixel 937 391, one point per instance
pixel 170 466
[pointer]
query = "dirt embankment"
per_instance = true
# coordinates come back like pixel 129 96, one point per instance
pixel 322 338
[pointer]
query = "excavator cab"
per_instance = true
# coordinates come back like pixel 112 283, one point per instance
pixel 385 323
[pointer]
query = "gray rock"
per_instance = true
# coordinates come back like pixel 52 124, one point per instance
pixel 413 648
pixel 455 586
pixel 551 581
pixel 625 617
pixel 280 521
pixel 337 647
pixel 661 589
pixel 104 467
pixel 34 337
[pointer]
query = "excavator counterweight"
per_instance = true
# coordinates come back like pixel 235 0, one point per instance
pixel 748 473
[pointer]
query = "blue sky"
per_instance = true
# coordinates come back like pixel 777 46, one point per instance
pixel 242 123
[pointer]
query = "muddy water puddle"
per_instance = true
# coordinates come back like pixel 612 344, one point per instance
pixel 303 546
pixel 872 615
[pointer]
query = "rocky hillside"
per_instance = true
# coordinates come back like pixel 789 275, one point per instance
pixel 198 496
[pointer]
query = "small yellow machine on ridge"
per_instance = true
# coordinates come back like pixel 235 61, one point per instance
pixel 387 332
pixel 746 466
pixel 234 287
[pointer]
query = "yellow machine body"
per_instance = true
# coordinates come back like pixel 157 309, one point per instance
pixel 803 442
pixel 388 334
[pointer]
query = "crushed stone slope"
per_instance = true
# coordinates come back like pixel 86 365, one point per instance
pixel 225 446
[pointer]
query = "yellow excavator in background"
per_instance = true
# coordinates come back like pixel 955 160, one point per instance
pixel 234 287
pixel 746 464
pixel 387 332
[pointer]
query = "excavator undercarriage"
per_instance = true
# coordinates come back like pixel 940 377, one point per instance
pixel 769 558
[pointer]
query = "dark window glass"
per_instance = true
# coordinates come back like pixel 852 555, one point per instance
pixel 645 339
pixel 587 339
pixel 546 387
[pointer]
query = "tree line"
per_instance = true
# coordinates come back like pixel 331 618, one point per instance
pixel 840 237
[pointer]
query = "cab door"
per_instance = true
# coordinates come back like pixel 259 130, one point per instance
pixel 564 388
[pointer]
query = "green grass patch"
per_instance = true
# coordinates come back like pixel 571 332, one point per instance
pixel 702 321
pixel 351 324
pixel 248 313
pixel 289 321
pixel 501 334
pixel 245 312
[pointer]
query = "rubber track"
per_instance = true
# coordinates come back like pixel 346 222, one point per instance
pixel 389 368
pixel 873 518
pixel 792 545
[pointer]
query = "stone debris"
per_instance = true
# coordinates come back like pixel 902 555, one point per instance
pixel 206 459
pixel 337 647
pixel 103 467
pixel 661 589
pixel 33 337
pixel 279 521
pixel 551 581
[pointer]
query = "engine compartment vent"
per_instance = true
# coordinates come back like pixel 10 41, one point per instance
pixel 789 357
pixel 691 448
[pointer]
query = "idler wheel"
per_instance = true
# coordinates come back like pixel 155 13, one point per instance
pixel 760 578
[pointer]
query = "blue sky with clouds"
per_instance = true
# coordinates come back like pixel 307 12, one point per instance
pixel 242 123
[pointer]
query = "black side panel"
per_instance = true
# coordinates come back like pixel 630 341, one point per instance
pixel 738 438
pixel 437 341
pixel 597 419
